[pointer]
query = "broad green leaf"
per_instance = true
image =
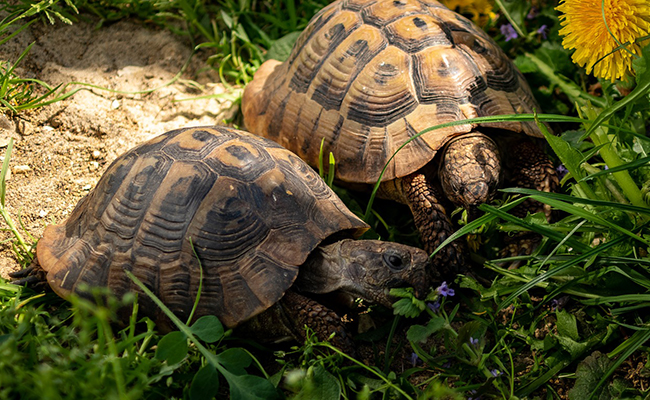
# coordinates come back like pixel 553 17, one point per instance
pixel 172 347
pixel 525 64
pixel 420 333
pixel 516 11
pixel 205 384
pixel 281 48
pixel 249 387
pixel 235 360
pixel 472 329
pixel 319 384
pixel 406 308
pixel 588 373
pixel 208 328
pixel 622 352
pixel 567 325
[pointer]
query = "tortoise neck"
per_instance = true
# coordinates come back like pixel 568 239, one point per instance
pixel 323 271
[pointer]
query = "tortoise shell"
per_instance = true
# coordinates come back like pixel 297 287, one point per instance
pixel 366 76
pixel 251 210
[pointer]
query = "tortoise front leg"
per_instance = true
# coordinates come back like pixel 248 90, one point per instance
pixel 531 168
pixel 433 223
pixel 301 311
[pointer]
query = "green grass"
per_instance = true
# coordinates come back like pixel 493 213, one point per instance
pixel 573 316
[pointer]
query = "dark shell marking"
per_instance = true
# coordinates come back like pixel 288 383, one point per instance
pixel 253 212
pixel 387 69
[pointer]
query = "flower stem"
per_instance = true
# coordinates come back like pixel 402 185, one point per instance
pixel 625 181
pixel 509 18
pixel 600 138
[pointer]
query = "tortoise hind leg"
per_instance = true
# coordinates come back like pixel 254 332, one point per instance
pixel 433 223
pixel 33 276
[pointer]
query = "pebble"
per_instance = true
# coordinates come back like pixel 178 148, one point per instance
pixel 96 154
pixel 21 169
pixel 4 140
pixel 42 213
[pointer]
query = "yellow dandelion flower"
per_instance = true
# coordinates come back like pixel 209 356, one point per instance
pixel 585 31
pixel 480 11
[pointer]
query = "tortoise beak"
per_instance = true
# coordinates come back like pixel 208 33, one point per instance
pixel 421 289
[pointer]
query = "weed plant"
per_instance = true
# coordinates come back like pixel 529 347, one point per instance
pixel 568 321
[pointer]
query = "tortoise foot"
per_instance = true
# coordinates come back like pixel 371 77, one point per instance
pixel 324 322
pixel 33 276
pixel 522 244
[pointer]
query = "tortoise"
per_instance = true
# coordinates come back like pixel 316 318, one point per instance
pixel 267 231
pixel 366 76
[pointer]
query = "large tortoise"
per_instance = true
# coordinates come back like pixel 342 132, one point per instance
pixel 259 218
pixel 366 76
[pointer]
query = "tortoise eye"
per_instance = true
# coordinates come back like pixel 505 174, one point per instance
pixel 394 261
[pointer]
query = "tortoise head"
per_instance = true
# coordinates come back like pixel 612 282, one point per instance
pixel 367 269
pixel 470 170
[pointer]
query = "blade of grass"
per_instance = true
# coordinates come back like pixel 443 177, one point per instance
pixel 579 200
pixel 581 212
pixel 559 269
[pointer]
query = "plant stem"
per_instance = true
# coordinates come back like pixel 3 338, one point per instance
pixel 608 153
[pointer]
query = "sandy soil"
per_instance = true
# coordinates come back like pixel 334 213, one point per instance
pixel 61 150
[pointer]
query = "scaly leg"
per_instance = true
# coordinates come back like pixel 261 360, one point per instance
pixel 434 224
pixel 301 311
pixel 532 169
pixel 33 276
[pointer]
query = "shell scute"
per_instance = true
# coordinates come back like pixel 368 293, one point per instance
pixel 417 32
pixel 383 13
pixel 332 82
pixel 384 92
pixel 312 55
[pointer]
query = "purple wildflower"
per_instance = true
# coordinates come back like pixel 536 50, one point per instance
pixel 473 342
pixel 559 303
pixel 434 306
pixel 542 31
pixel 415 359
pixel 509 32
pixel 444 290
pixel 561 171
pixel 606 167
pixel 495 372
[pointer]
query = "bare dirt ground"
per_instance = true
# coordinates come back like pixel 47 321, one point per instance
pixel 61 150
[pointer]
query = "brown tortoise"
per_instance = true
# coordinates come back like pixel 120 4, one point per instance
pixel 366 76
pixel 259 218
